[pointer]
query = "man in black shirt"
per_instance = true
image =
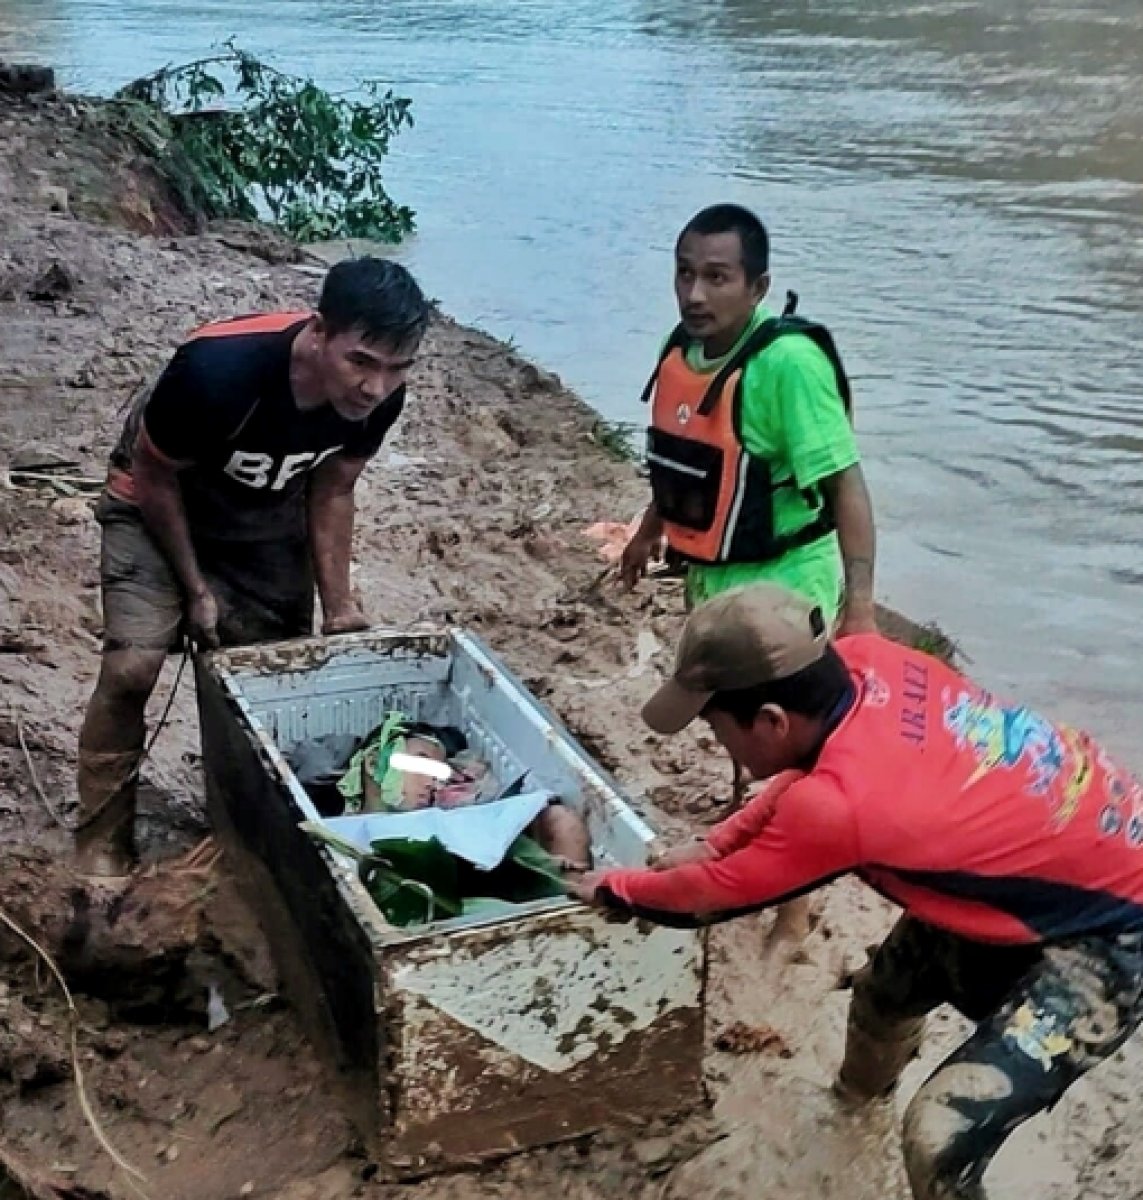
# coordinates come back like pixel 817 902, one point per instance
pixel 229 494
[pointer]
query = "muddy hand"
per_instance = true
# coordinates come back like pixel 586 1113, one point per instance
pixel 856 620
pixel 346 620
pixel 633 563
pixel 202 620
pixel 584 887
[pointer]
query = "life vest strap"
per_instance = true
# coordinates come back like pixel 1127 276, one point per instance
pixel 761 339
pixel 764 337
pixel 821 526
pixel 678 340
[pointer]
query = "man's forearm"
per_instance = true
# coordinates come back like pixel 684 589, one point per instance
pixel 750 878
pixel 856 535
pixel 331 544
pixel 743 826
pixel 161 507
pixel 651 525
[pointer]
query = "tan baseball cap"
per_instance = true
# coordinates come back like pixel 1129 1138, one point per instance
pixel 742 638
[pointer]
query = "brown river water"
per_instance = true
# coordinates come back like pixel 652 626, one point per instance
pixel 955 187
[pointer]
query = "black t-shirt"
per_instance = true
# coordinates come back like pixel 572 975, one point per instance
pixel 224 408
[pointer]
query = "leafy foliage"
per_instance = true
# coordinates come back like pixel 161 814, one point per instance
pixel 418 882
pixel 412 883
pixel 931 639
pixel 415 883
pixel 617 439
pixel 245 139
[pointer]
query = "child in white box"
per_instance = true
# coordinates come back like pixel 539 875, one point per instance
pixel 406 765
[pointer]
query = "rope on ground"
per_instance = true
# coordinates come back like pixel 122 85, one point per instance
pixel 612 569
pixel 73 1031
pixel 48 806
pixel 75 826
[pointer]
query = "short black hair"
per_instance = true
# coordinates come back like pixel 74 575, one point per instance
pixel 733 218
pixel 814 691
pixel 375 297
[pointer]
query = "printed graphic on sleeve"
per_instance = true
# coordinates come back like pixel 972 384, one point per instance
pixel 874 688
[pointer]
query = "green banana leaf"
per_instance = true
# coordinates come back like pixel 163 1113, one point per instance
pixel 529 872
pixel 412 882
pixel 415 883
pixel 400 874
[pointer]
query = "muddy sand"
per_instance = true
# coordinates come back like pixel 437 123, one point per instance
pixel 473 514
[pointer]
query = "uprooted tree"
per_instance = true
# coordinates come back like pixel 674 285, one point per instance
pixel 241 139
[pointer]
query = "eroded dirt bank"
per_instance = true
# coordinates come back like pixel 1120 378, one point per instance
pixel 474 514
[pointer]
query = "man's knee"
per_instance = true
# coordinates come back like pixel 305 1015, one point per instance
pixel 564 834
pixel 129 676
pixel 953 1127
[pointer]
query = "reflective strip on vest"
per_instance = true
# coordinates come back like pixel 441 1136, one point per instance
pixel 736 507
pixel 674 465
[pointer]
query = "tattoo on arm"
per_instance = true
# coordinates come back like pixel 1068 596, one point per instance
pixel 859 574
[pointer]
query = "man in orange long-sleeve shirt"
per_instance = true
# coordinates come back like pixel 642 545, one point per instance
pixel 1014 846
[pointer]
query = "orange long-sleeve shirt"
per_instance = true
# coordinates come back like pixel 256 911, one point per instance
pixel 973 814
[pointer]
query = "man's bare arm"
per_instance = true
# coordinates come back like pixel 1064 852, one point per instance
pixel 330 516
pixel 160 501
pixel 849 501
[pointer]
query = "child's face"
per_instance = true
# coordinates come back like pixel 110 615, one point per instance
pixel 417 790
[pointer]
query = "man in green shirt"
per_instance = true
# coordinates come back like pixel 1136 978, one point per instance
pixel 754 467
pixel 808 522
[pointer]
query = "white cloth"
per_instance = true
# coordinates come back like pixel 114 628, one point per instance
pixel 480 833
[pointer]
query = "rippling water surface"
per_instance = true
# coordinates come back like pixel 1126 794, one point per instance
pixel 957 188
